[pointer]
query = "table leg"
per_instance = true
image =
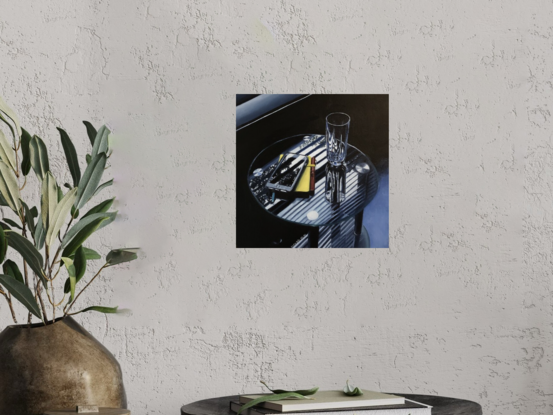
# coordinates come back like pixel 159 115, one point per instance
pixel 314 237
pixel 358 228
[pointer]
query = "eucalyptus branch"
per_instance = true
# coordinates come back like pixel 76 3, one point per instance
pixel 8 299
pixel 66 309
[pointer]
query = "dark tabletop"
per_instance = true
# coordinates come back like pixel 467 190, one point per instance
pixel 361 179
pixel 440 405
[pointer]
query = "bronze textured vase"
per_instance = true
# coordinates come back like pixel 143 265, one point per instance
pixel 57 366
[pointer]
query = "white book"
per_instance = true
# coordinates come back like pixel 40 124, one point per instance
pixel 407 408
pixel 328 400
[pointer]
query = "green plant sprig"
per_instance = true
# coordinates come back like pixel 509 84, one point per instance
pixel 273 397
pixel 39 240
pixel 304 392
pixel 352 390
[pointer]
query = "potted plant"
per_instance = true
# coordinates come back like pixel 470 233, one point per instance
pixel 53 362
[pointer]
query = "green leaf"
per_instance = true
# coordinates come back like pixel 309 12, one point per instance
pixel 100 207
pixel 29 253
pixel 88 158
pixel 29 218
pixel 3 201
pixel 78 264
pixel 73 240
pixel 304 392
pixel 101 143
pixel 3 245
pixel 71 156
pixel 72 277
pixel 34 211
pixel 49 199
pixel 273 397
pixel 60 214
pixel 91 131
pixel 60 194
pixel 9 187
pixel 91 178
pixel 26 159
pixel 5 226
pixel 13 223
pixel 119 256
pixel 351 390
pixel 83 223
pixel 6 152
pixel 39 157
pixel 22 293
pixel 103 186
pixel 91 254
pixel 100 309
pixel 6 111
pixel 11 269
pixel 40 234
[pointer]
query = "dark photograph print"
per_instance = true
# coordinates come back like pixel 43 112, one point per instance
pixel 312 171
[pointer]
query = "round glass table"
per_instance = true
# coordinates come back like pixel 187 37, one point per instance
pixel 334 210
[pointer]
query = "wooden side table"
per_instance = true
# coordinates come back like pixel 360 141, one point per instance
pixel 440 405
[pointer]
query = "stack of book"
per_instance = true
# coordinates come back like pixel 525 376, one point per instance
pixel 335 403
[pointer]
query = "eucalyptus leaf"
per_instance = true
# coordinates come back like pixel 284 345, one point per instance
pixel 80 263
pixel 102 187
pixel 40 234
pixel 49 199
pixel 268 398
pixel 100 207
pixel 34 211
pixel 88 158
pixel 77 240
pixel 6 152
pixel 29 253
pixel 91 177
pixel 25 151
pixel 83 223
pixel 91 131
pixel 60 194
pixel 71 156
pixel 119 256
pixel 72 277
pixel 3 201
pixel 21 293
pixel 13 223
pixel 9 187
pixel 79 268
pixel 10 268
pixel 91 254
pixel 304 392
pixel 101 143
pixel 100 309
pixel 39 157
pixel 3 245
pixel 60 214
pixel 6 111
pixel 29 218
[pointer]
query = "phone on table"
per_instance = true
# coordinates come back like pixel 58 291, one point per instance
pixel 287 172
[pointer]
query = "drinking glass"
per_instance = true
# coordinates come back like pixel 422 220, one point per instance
pixel 335 183
pixel 337 130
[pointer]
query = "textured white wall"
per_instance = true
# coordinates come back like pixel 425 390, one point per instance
pixel 460 304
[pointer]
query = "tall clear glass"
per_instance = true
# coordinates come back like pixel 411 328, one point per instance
pixel 337 131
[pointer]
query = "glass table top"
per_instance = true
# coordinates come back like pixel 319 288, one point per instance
pixel 361 183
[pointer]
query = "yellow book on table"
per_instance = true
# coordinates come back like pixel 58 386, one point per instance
pixel 304 183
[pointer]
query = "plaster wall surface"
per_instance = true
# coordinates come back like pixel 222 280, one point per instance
pixel 460 305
